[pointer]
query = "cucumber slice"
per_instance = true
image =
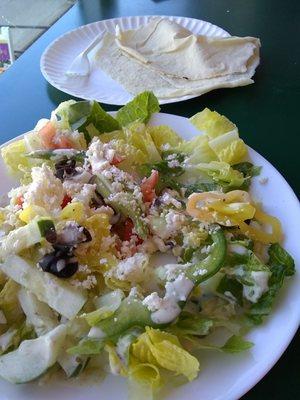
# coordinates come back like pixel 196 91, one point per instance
pixel 26 236
pixel 58 294
pixel 33 357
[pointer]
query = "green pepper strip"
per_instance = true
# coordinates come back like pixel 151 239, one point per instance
pixel 78 155
pixel 133 313
pixel 208 267
pixel 135 214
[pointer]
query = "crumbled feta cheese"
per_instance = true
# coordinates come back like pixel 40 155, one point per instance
pixel 99 155
pixel 166 309
pixel 174 222
pixel 131 269
pixel 168 199
pixel 85 195
pixel 165 147
pixel 45 190
pixel 152 302
pixel 88 283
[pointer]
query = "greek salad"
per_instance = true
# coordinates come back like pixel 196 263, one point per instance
pixel 100 198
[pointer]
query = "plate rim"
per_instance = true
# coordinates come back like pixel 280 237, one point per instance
pixel 81 27
pixel 292 329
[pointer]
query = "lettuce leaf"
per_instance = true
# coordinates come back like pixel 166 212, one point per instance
pixel 189 324
pixel 9 303
pixel 139 109
pixel 167 175
pixel 107 305
pixel 163 349
pixel 235 344
pixel 197 149
pixel 222 174
pixel 143 379
pixel 222 135
pixel 212 123
pixel 11 339
pixel 231 286
pixel 164 136
pixel 281 265
pixel 115 363
pixel 248 170
pixel 200 187
pixel 87 346
pixel 14 156
pixel 81 114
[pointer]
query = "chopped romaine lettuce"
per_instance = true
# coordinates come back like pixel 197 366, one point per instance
pixel 9 303
pixel 164 137
pixel 212 123
pixel 281 265
pixel 139 109
pixel 164 350
pixel 106 306
pixel 79 115
pixel 14 156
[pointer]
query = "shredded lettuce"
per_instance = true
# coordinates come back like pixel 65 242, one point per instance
pixel 139 109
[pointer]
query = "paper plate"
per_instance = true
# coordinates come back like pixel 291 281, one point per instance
pixel 58 56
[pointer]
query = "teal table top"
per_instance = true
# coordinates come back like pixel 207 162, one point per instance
pixel 265 112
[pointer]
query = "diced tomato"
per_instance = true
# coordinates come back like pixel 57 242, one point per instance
pixel 49 141
pixel 66 200
pixel 20 200
pixel 117 159
pixel 148 187
pixel 128 231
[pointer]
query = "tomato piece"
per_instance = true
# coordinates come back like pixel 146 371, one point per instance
pixel 128 232
pixel 117 159
pixel 148 187
pixel 47 133
pixel 63 143
pixel 66 200
pixel 20 200
pixel 49 141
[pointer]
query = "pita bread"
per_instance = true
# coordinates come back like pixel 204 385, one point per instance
pixel 172 62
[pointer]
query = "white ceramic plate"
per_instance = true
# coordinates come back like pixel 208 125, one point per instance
pixel 98 86
pixel 222 376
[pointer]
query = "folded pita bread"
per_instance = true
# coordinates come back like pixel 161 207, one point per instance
pixel 166 58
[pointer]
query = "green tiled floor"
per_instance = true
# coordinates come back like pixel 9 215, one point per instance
pixel 28 19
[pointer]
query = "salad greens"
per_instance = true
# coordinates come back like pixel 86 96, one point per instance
pixel 100 198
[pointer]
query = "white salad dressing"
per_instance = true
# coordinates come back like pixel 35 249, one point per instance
pixel 253 293
pixel 166 309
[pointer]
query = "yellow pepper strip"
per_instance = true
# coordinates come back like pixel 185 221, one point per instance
pixel 260 235
pixel 232 209
pixel 226 209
